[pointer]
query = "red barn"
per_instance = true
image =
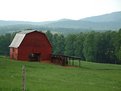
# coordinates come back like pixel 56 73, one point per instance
pixel 30 46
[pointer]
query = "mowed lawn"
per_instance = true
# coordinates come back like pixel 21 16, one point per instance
pixel 49 77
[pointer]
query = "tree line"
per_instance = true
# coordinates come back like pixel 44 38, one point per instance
pixel 102 47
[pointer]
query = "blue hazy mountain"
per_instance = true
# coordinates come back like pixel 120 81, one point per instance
pixel 111 17
pixel 110 21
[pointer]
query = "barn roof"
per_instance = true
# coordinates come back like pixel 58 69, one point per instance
pixel 19 38
pixel 26 32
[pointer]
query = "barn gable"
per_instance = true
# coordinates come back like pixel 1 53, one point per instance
pixel 19 38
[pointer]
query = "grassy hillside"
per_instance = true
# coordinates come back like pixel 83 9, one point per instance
pixel 48 77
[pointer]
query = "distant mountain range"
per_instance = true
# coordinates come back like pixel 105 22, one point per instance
pixel 110 21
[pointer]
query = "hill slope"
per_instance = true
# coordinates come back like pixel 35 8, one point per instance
pixel 48 77
pixel 110 21
pixel 111 17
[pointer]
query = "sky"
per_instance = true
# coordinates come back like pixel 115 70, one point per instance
pixel 49 10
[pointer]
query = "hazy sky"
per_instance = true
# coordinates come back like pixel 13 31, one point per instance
pixel 44 10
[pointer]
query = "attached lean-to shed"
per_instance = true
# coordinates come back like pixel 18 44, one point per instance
pixel 30 45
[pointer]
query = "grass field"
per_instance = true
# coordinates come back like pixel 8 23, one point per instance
pixel 49 77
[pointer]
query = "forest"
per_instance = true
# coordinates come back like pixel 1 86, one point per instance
pixel 101 47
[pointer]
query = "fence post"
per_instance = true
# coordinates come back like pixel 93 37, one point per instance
pixel 23 78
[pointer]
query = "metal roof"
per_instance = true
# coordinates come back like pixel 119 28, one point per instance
pixel 19 38
pixel 26 32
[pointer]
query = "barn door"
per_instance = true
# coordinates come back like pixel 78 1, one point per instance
pixel 34 57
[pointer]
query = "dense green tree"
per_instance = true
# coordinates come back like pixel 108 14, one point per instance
pixel 79 45
pixel 61 44
pixel 89 49
pixel 5 41
pixel 70 45
pixel 117 45
pixel 105 48
pixel 49 35
pixel 54 43
pixel 58 44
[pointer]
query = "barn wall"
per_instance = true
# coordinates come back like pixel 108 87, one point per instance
pixel 11 53
pixel 35 42
pixel 14 53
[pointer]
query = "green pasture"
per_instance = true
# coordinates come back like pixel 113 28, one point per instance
pixel 50 77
